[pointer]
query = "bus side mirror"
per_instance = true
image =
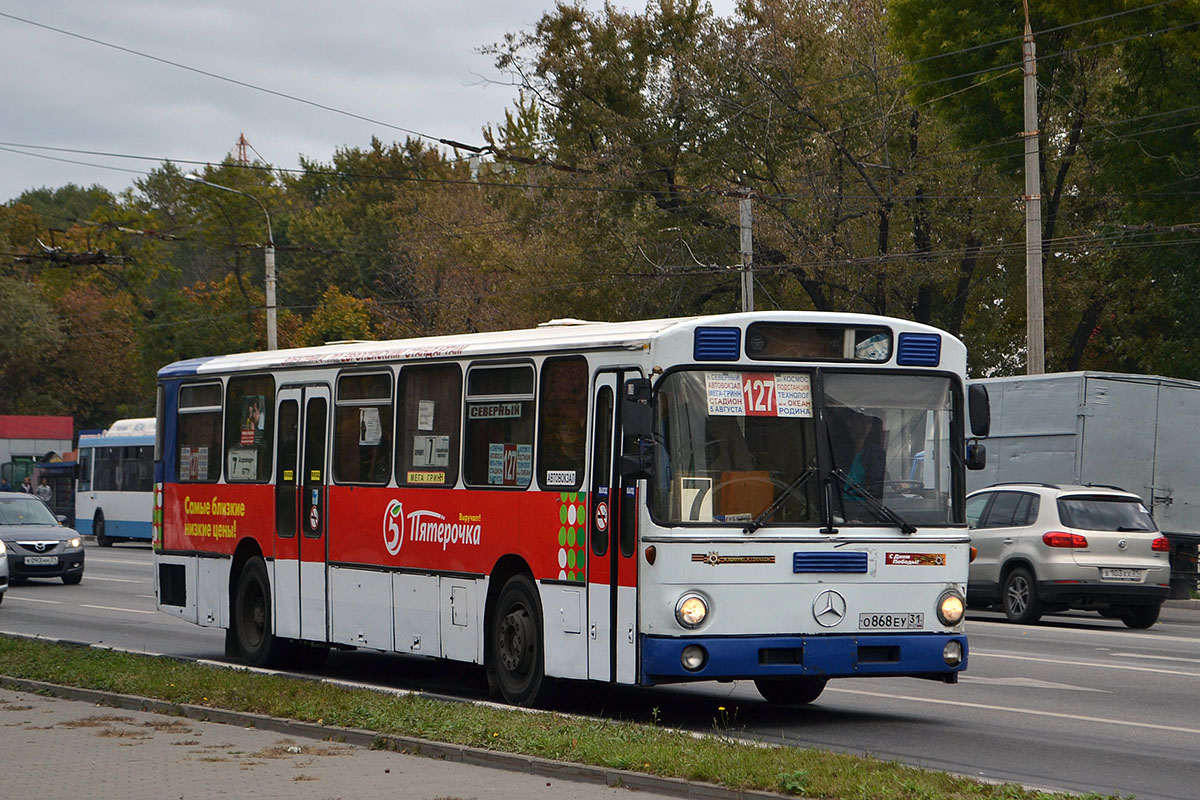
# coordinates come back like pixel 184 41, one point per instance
pixel 979 408
pixel 976 455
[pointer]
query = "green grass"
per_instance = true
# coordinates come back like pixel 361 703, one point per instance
pixel 646 748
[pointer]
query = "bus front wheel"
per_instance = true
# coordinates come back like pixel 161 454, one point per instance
pixel 517 668
pixel 98 529
pixel 252 616
pixel 790 691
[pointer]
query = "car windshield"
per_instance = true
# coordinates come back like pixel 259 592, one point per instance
pixel 1105 514
pixel 732 444
pixel 18 510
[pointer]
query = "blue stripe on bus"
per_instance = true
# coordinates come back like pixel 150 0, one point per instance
pixel 184 368
pixel 116 441
pixel 829 655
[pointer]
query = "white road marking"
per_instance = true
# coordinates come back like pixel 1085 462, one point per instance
pixel 1024 711
pixel 114 608
pixel 1032 683
pixel 19 598
pixel 1096 664
pixel 116 580
pixel 1158 658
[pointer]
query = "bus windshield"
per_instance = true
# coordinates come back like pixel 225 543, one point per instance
pixel 733 445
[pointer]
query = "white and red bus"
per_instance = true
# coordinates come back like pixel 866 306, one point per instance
pixel 776 497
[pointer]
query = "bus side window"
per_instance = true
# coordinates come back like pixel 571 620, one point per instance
pixel 499 427
pixel 199 433
pixel 562 423
pixel 85 470
pixel 249 430
pixel 429 399
pixel 363 429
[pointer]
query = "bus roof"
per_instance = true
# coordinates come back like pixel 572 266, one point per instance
pixel 139 430
pixel 557 335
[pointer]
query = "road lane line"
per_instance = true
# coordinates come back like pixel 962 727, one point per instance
pixel 116 580
pixel 1097 664
pixel 1023 711
pixel 11 596
pixel 1158 658
pixel 114 608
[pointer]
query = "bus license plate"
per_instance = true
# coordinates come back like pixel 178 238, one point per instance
pixel 41 561
pixel 1117 574
pixel 890 622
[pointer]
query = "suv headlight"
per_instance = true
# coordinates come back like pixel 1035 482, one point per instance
pixel 951 607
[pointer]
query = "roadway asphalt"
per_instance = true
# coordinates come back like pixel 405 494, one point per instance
pixel 63 743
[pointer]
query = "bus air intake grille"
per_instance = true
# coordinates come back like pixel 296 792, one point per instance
pixel 919 349
pixel 829 562
pixel 717 344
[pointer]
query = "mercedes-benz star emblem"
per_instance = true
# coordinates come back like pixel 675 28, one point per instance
pixel 829 608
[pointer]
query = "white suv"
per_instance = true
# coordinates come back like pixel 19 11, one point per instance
pixel 1040 548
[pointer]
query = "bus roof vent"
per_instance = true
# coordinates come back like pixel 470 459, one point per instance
pixel 563 322
pixel 919 350
pixel 717 344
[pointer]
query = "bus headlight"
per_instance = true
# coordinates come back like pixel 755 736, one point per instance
pixel 950 607
pixel 691 610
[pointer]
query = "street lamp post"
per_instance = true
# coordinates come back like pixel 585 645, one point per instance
pixel 269 252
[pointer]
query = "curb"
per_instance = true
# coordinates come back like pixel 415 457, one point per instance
pixel 409 745
pixel 1190 605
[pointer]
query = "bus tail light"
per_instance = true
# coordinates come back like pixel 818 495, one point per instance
pixel 951 607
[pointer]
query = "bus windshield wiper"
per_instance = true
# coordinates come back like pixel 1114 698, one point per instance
pixel 766 513
pixel 883 512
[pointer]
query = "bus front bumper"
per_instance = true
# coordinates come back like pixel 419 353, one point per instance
pixel 939 656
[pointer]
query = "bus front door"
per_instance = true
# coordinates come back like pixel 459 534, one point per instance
pixel 612 534
pixel 301 589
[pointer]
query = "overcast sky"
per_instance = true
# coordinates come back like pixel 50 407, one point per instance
pixel 89 77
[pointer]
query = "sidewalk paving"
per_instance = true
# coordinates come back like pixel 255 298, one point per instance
pixel 62 743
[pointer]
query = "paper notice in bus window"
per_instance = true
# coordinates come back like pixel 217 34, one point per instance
pixel 426 477
pixel 193 463
pixel 243 463
pixel 509 464
pixel 431 450
pixel 793 395
pixel 425 415
pixel 724 392
pixel 370 433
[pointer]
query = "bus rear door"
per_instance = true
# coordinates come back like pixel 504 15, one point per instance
pixel 301 579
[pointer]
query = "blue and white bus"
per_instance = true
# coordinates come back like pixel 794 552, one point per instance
pixel 114 497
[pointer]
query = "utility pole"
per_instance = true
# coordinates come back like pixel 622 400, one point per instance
pixel 747 220
pixel 1034 313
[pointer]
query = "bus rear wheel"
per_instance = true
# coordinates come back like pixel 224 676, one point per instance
pixel 98 529
pixel 790 691
pixel 517 668
pixel 252 616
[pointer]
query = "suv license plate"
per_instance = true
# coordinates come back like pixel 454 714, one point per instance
pixel 41 561
pixel 1116 574
pixel 890 621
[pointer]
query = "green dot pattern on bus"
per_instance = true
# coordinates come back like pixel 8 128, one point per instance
pixel 572 536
